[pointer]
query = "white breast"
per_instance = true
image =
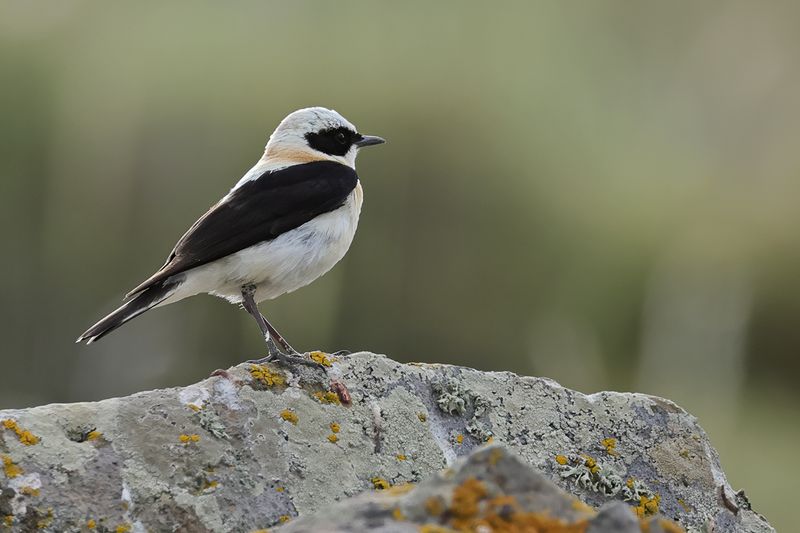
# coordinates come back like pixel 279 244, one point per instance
pixel 284 264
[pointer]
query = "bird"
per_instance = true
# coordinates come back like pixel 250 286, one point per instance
pixel 284 224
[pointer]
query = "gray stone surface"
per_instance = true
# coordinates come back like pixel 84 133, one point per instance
pixel 243 451
pixel 489 490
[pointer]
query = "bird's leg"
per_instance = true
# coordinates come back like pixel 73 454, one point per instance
pixel 249 304
pixel 279 338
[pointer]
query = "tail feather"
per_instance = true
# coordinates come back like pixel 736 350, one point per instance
pixel 134 307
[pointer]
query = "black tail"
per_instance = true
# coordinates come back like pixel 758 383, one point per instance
pixel 134 307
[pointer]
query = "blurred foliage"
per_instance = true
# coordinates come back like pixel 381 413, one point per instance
pixel 602 192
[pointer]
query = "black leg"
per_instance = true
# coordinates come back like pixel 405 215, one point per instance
pixel 249 304
pixel 279 338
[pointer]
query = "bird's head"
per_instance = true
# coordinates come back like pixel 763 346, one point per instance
pixel 316 134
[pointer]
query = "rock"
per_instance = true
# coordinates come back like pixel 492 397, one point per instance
pixel 490 490
pixel 254 447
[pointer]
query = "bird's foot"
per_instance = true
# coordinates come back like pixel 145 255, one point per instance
pixel 285 359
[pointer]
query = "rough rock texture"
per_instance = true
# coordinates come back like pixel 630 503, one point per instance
pixel 258 446
pixel 490 490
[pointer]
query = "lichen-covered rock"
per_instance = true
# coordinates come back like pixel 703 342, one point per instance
pixel 491 490
pixel 255 447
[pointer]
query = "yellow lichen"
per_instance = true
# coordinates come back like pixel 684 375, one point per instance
pixel 562 459
pixel 123 528
pixel 265 376
pixel 29 491
pixel 332 437
pixel 459 438
pixel 647 506
pixel 8 520
pixel 591 464
pixel 629 482
pixel 289 416
pixel 398 515
pixel 489 439
pixel 320 358
pixel 422 417
pixel 279 489
pixel 335 427
pixel 401 457
pixel 402 488
pixel 610 444
pixel 185 439
pixel 25 437
pixel 433 528
pixel 193 407
pixel 380 483
pixel 93 435
pixel 284 518
pixel 327 397
pixel 45 522
pixel 682 503
pixel 9 468
pixel 91 524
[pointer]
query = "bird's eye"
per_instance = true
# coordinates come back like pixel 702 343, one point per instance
pixel 341 138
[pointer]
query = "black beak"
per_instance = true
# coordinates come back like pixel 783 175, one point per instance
pixel 369 140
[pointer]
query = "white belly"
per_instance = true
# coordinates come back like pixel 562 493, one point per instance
pixel 284 264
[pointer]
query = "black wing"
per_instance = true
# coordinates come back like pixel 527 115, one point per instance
pixel 258 211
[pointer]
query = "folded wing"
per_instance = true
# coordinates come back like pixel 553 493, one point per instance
pixel 258 211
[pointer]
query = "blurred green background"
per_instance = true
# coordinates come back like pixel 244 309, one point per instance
pixel 605 193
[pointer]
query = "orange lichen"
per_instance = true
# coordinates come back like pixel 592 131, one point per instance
pixel 380 483
pixel 185 439
pixel 434 506
pixel 465 502
pixel 333 438
pixel 10 469
pixel 562 459
pixel 93 435
pixel 91 524
pixel 284 518
pixel 489 439
pixel 25 437
pixel 400 457
pixel 610 444
pixel 265 376
pixel 495 456
pixel 327 397
pixel 335 427
pixel 398 515
pixel 289 416
pixel 472 508
pixel 320 358
pixel 123 528
pixel 459 438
